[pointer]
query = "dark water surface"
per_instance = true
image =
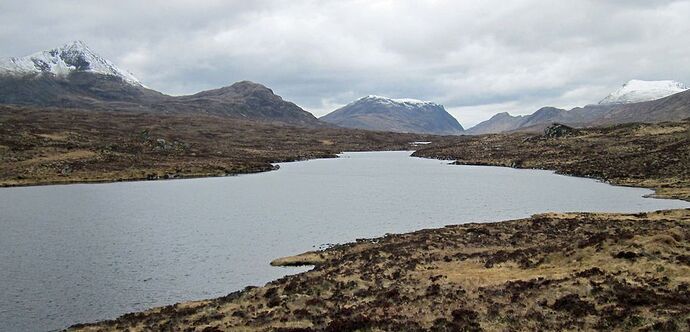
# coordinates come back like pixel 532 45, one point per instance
pixel 86 252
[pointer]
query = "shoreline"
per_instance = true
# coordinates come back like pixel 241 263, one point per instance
pixel 274 166
pixel 684 195
pixel 471 258
pixel 624 155
pixel 133 179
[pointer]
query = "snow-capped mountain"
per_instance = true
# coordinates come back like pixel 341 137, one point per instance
pixel 636 91
pixel 406 102
pixel 398 115
pixel 72 57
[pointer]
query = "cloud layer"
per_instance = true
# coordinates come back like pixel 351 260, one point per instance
pixel 475 57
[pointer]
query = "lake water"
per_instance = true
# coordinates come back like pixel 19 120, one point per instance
pixel 86 252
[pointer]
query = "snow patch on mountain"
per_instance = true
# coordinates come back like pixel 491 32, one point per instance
pixel 61 61
pixel 407 102
pixel 636 91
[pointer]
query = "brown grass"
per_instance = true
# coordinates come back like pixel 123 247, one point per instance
pixel 556 271
pixel 47 146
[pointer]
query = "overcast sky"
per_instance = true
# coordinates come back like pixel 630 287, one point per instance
pixel 475 57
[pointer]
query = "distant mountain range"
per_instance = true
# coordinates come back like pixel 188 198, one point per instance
pixel 397 115
pixel 636 101
pixel 73 76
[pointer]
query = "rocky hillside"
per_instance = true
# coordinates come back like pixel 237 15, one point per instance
pixel 73 76
pixel 396 115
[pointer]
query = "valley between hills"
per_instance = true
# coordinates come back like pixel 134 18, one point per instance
pixel 554 271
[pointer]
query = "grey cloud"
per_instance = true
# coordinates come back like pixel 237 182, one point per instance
pixel 477 58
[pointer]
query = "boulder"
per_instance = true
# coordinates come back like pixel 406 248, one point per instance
pixel 559 130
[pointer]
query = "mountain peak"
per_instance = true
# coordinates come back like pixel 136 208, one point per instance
pixel 240 89
pixel 76 47
pixel 76 44
pixel 399 101
pixel 501 115
pixel 249 85
pixel 635 91
pixel 75 56
pixel 397 115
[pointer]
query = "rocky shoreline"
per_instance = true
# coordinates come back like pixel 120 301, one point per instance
pixel 557 271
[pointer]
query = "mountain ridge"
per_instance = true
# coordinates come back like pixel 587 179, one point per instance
pixel 73 76
pixel 673 107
